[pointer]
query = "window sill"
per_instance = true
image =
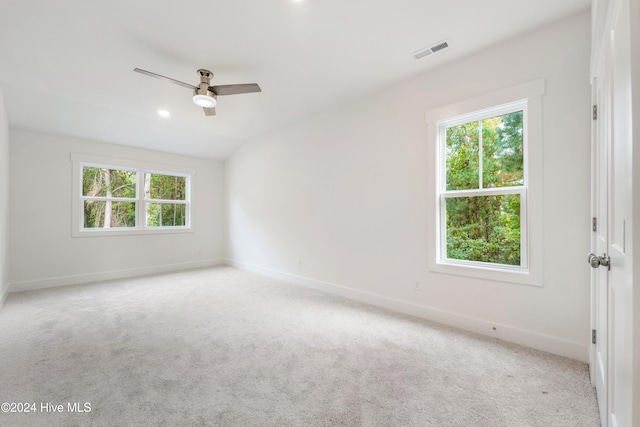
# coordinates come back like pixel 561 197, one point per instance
pixel 517 275
pixel 129 232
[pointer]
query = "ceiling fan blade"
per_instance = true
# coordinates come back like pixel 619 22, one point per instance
pixel 209 111
pixel 235 89
pixel 158 76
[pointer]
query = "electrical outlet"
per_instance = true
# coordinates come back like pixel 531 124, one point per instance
pixel 417 285
pixel 299 262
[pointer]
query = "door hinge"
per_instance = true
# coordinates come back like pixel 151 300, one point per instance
pixel 595 112
pixel 593 336
pixel 594 224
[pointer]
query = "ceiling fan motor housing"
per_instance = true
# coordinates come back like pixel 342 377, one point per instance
pixel 204 90
pixel 205 76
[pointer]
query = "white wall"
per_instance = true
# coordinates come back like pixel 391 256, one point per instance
pixel 43 252
pixel 345 192
pixel 4 202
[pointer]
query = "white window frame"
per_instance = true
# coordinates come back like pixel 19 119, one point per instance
pixel 79 161
pixel 528 98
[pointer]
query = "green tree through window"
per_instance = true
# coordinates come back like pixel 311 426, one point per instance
pixel 165 193
pixel 109 197
pixel 484 186
pixel 114 198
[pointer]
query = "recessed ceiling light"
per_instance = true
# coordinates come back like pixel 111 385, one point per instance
pixel 163 113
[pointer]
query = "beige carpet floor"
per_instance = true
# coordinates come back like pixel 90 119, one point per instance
pixel 223 347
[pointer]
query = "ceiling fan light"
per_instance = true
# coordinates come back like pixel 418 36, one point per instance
pixel 205 101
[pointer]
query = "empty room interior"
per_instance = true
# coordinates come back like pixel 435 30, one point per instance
pixel 319 213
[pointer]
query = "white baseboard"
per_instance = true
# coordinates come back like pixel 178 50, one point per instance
pixel 526 338
pixel 30 285
pixel 3 297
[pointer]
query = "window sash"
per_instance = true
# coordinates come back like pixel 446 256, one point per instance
pixel 487 113
pixel 148 214
pixel 442 225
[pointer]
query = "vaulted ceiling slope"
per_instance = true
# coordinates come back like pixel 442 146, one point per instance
pixel 66 66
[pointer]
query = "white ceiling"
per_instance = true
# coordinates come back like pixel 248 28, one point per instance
pixel 66 66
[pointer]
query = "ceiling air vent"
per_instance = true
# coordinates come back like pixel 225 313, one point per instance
pixel 429 50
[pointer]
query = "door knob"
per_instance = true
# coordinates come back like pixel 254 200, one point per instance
pixel 596 261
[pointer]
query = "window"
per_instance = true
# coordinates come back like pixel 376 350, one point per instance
pixel 165 200
pixel 112 199
pixel 486 205
pixel 483 188
pixel 109 197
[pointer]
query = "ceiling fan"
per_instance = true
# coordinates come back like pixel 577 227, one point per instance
pixel 205 95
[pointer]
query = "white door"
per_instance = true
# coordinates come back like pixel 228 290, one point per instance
pixel 612 284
